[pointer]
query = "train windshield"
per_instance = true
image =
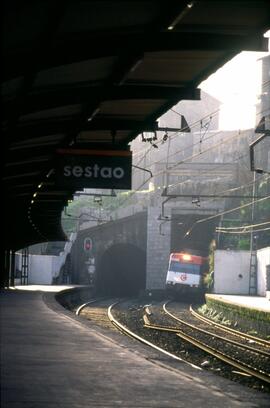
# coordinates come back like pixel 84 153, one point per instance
pixel 177 266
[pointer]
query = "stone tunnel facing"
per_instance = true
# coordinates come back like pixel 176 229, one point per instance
pixel 121 271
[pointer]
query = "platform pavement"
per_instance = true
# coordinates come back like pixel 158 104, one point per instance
pixel 50 358
pixel 254 302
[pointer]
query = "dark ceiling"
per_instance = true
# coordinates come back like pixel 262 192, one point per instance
pixel 94 75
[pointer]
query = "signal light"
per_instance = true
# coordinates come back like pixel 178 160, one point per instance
pixel 87 244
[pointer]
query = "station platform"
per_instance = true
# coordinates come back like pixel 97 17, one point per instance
pixel 252 302
pixel 54 359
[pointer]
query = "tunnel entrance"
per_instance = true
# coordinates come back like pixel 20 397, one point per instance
pixel 199 238
pixel 121 271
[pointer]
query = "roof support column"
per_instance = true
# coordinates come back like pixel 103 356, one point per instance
pixel 4 277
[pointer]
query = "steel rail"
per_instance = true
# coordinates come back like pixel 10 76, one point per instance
pixel 229 329
pixel 98 313
pixel 131 334
pixel 242 366
pixel 229 360
pixel 211 350
pixel 80 308
pixel 244 346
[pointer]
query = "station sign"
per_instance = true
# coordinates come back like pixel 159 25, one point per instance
pixel 81 168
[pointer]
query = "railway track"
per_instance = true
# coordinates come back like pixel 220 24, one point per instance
pixel 97 312
pixel 180 335
pixel 247 358
pixel 247 337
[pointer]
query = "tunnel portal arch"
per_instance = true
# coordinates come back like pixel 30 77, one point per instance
pixel 121 271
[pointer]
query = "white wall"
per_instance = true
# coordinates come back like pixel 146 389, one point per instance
pixel 231 274
pixel 42 268
pixel 263 259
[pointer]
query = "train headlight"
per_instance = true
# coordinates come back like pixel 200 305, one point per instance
pixel 186 257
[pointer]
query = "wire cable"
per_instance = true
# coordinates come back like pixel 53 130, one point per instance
pixel 225 212
pixel 243 227
pixel 242 232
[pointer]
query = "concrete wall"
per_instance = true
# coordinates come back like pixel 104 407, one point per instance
pixel 158 250
pixel 263 259
pixel 231 274
pixel 43 268
pixel 229 265
pixel 40 270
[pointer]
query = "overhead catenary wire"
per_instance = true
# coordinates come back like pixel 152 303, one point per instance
pixel 190 157
pixel 233 189
pixel 194 144
pixel 244 226
pixel 235 135
pixel 213 169
pixel 264 177
pixel 244 185
pixel 182 149
pixel 242 232
pixel 208 115
pixel 174 134
pixel 225 212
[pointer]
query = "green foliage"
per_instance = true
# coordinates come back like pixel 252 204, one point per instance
pixel 68 224
pixel 208 279
pixel 72 212
pixel 244 217
pixel 211 258
pixel 122 199
pixel 214 315
pixel 85 204
pixel 244 243
pixel 244 312
pixel 244 318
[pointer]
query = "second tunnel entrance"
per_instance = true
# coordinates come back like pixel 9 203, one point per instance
pixel 121 271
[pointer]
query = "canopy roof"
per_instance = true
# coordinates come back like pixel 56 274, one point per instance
pixel 95 74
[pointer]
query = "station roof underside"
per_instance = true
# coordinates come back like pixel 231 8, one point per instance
pixel 94 75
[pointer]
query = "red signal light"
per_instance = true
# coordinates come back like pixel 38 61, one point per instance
pixel 87 245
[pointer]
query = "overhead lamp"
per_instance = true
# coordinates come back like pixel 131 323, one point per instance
pixel 50 173
pixel 180 16
pixel 93 114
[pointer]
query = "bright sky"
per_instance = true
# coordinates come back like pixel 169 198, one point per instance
pixel 237 85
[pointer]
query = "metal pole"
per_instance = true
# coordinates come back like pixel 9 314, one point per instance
pixel 12 268
pixel 4 277
pixel 253 254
